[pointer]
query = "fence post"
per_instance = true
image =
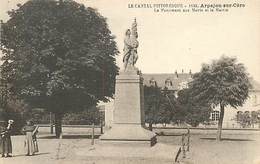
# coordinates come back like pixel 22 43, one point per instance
pixel 101 127
pixel 51 124
pixel 93 134
pixel 51 128
pixel 188 146
pixel 183 145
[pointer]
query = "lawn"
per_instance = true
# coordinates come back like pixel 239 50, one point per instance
pixel 237 147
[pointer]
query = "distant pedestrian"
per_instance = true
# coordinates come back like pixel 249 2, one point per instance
pixel 6 143
pixel 30 142
pixel 35 142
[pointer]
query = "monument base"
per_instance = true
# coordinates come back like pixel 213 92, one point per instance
pixel 131 153
pixel 129 133
pixel 128 116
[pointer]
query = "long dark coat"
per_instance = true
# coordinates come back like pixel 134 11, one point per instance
pixel 6 143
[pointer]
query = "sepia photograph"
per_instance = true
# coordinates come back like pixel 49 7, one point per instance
pixel 130 82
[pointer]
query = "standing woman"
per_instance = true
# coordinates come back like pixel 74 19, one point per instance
pixel 6 148
pixel 30 142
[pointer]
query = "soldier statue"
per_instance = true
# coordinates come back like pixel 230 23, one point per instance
pixel 130 47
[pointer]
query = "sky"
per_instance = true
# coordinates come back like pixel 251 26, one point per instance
pixel 171 41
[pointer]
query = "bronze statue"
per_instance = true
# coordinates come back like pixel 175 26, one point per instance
pixel 130 46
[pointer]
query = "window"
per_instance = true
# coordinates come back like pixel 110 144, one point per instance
pixel 239 116
pixel 215 116
pixel 153 82
pixel 168 83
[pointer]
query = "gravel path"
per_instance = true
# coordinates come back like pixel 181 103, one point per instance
pixel 236 148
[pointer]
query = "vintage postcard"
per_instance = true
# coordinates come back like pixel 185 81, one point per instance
pixel 130 81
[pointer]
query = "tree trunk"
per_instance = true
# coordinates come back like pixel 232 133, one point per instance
pixel 220 122
pixel 150 126
pixel 58 126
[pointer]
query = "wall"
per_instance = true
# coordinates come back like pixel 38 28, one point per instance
pixel 251 104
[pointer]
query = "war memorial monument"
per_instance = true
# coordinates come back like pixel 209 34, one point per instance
pixel 129 104
pixel 129 138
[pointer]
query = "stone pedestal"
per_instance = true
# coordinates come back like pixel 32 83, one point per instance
pixel 128 125
pixel 131 154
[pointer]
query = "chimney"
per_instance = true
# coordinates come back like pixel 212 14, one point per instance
pixel 190 73
pixel 176 74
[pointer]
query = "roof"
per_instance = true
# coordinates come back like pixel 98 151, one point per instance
pixel 178 80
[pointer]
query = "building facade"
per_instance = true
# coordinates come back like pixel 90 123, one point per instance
pixel 172 81
pixel 251 106
pixel 178 81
